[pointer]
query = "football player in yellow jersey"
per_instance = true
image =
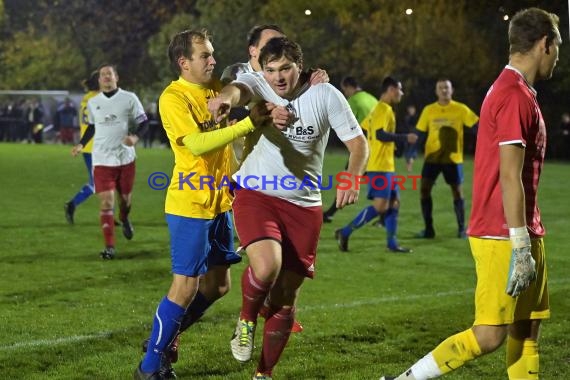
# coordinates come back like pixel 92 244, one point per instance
pixel 443 122
pixel 91 85
pixel 380 130
pixel 198 200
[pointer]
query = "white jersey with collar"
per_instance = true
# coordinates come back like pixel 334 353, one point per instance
pixel 111 118
pixel 288 164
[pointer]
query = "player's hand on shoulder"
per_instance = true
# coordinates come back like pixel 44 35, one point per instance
pixel 318 76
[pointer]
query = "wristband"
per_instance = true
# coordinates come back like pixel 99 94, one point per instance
pixel 519 237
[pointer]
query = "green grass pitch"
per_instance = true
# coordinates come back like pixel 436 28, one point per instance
pixel 66 314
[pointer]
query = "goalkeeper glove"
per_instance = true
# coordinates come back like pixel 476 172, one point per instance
pixel 522 270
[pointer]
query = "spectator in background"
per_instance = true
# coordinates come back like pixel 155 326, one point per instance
pixel 565 124
pixel 563 143
pixel 153 125
pixel 34 117
pixel 64 121
pixel 19 121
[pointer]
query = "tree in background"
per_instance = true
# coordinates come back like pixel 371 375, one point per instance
pixel 53 44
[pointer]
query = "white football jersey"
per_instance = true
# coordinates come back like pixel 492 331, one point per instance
pixel 111 118
pixel 232 71
pixel 288 164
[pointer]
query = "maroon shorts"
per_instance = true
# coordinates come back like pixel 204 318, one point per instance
pixel 259 216
pixel 109 178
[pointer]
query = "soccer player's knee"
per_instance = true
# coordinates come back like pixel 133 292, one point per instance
pixel 490 339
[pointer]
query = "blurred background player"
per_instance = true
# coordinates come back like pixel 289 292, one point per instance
pixel 361 103
pixel 113 153
pixel 64 121
pixel 443 121
pixel 505 228
pixel 380 130
pixel 91 86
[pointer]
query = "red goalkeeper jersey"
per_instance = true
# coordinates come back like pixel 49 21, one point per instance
pixel 510 114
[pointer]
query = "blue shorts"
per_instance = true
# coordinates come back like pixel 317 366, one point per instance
pixel 452 173
pixel 198 244
pixel 382 185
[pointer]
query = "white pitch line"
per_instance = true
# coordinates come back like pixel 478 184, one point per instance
pixel 375 301
pixel 55 342
pixel 370 301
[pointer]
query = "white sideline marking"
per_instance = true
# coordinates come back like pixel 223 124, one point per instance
pixel 370 301
pixel 55 342
pixel 375 301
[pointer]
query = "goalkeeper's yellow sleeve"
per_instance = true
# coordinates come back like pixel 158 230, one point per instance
pixel 204 142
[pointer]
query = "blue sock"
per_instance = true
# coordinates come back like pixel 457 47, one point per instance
pixel 82 195
pixel 363 217
pixel 194 311
pixel 391 223
pixel 164 328
pixel 459 207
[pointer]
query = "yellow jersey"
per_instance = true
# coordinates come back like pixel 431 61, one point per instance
pixel 382 117
pixel 84 119
pixel 444 126
pixel 199 186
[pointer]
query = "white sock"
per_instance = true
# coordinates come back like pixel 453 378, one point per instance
pixel 425 368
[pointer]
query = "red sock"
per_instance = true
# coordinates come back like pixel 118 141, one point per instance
pixel 108 227
pixel 275 337
pixel 254 292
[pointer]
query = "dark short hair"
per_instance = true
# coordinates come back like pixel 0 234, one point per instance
pixel 181 46
pixel 254 34
pixel 529 26
pixel 111 65
pixel 349 81
pixel 281 47
pixel 387 83
pixel 92 83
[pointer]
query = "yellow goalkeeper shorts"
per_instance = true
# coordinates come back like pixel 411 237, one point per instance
pixel 493 306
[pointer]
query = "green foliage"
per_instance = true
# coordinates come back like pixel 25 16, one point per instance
pixel 158 48
pixel 67 315
pixel 25 61
pixel 463 40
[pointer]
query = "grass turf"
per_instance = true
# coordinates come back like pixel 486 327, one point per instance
pixel 66 314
